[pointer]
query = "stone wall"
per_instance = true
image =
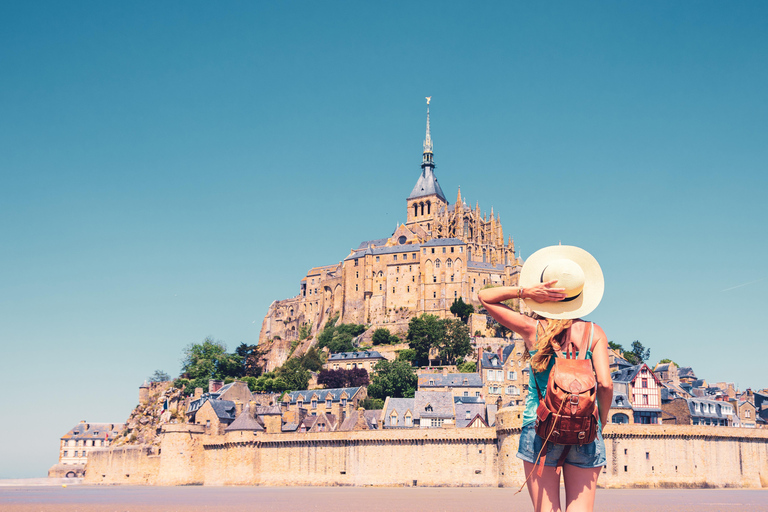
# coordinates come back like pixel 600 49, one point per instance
pixel 638 456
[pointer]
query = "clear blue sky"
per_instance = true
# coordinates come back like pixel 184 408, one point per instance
pixel 171 168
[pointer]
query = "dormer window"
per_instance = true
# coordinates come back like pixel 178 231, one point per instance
pixel 431 382
pixel 408 419
pixel 393 419
pixel 314 404
pixel 428 408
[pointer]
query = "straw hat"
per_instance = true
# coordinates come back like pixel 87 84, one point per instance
pixel 575 270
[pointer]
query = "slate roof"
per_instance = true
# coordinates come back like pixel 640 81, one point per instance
pixel 468 400
pixel 487 266
pixel 626 374
pixel 686 372
pixel 662 367
pixel 427 185
pixel 401 406
pixel 473 410
pixel 486 361
pixel 267 410
pixel 441 403
pixel 621 401
pixel 85 431
pixel 245 422
pixel 714 409
pixel 395 249
pixel 290 427
pixel 372 243
pixel 442 241
pixel 224 409
pixel 472 380
pixel 348 356
pixel 307 395
pixel 351 420
pixel 490 411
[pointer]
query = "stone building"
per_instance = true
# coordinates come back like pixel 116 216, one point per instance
pixel 505 375
pixel 643 390
pixel 427 409
pixel 441 252
pixel 366 359
pixel 460 384
pixel 697 411
pixel 76 444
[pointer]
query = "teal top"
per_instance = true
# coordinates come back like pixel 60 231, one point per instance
pixel 541 380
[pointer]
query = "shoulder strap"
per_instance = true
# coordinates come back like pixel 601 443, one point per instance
pixel 591 336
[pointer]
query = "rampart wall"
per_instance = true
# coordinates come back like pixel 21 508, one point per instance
pixel 637 455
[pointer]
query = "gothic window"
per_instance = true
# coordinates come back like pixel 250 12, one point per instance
pixel 437 263
pixel 448 263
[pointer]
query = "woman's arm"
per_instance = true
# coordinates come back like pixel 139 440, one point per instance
pixel 492 298
pixel 603 374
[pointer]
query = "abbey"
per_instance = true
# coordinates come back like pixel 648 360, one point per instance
pixel 442 252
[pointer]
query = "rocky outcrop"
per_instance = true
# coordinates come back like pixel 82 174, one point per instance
pixel 163 404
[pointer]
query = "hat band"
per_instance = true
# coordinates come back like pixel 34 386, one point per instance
pixel 567 299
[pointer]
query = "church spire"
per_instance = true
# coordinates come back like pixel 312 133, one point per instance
pixel 428 138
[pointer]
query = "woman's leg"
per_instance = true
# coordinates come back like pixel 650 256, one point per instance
pixel 544 489
pixel 580 487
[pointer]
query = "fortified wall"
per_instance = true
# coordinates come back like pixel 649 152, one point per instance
pixel 637 455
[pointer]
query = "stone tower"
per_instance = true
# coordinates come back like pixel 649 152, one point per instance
pixel 426 198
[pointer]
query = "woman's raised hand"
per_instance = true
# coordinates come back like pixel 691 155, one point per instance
pixel 544 292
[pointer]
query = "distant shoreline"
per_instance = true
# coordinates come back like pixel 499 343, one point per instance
pixel 38 482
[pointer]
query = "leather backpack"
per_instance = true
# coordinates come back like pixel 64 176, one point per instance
pixel 567 413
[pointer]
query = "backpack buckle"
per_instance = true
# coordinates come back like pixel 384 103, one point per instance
pixel 574 400
pixel 582 435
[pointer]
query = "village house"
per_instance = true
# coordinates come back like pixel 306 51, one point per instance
pixel 504 374
pixel 75 445
pixel 351 360
pixel 643 390
pixel 427 409
pixel 697 411
pixel 219 407
pixel 336 404
pixel 460 384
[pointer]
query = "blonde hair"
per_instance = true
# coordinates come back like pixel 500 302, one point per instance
pixel 545 342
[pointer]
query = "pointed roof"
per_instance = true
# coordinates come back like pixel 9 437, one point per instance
pixel 427 185
pixel 245 421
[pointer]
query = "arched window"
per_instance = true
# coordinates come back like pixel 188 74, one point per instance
pixel 483 255
pixel 428 207
pixel 437 263
pixel 422 208
pixel 448 263
pixel 415 210
pixel 620 418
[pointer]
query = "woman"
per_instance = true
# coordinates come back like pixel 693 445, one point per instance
pixel 559 284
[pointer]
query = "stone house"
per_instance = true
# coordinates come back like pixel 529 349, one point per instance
pixel 697 411
pixel 78 442
pixel 643 390
pixel 427 409
pixel 460 384
pixel 351 360
pixel 398 413
pixel 216 415
pixel 338 402
pixel 621 409
pixel 616 361
pixel 667 373
pixel 504 375
pixel 257 418
pixel 745 409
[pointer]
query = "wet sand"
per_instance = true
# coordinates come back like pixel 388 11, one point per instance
pixel 84 498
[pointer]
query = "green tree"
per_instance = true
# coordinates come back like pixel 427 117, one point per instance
pixel 293 374
pixel 210 360
pixel 424 332
pixel 668 361
pixel 312 360
pixel 455 343
pixel 640 352
pixel 372 404
pixel 408 355
pixel 382 336
pixel 250 355
pixel 461 309
pixel 305 330
pixel 396 379
pixel 159 376
pixel 615 346
pixel 339 338
pixel 467 367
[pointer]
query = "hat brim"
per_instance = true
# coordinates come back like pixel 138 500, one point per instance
pixel 582 305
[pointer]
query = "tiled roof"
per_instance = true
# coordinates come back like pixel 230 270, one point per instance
pixel 451 380
pixel 626 374
pixel 290 427
pixel 686 372
pixel 372 243
pixel 85 430
pixel 487 362
pixel 267 410
pixel 441 403
pixel 306 395
pixel 479 265
pixel 367 354
pixel 224 409
pixel 245 421
pixel 473 409
pixel 395 249
pixel 401 406
pixel 427 185
pixel 709 408
pixel 438 242
pixel 468 400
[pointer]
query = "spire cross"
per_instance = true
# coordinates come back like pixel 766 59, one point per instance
pixel 428 139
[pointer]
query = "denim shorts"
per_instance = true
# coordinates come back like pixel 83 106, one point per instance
pixel 590 455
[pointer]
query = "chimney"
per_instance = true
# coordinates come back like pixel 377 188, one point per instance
pixel 252 407
pixel 214 385
pixel 479 358
pixel 361 423
pixel 198 393
pixel 445 371
pixel 238 408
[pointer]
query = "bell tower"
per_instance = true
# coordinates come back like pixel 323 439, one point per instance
pixel 426 197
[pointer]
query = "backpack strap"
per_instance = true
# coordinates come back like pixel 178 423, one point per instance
pixel 592 335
